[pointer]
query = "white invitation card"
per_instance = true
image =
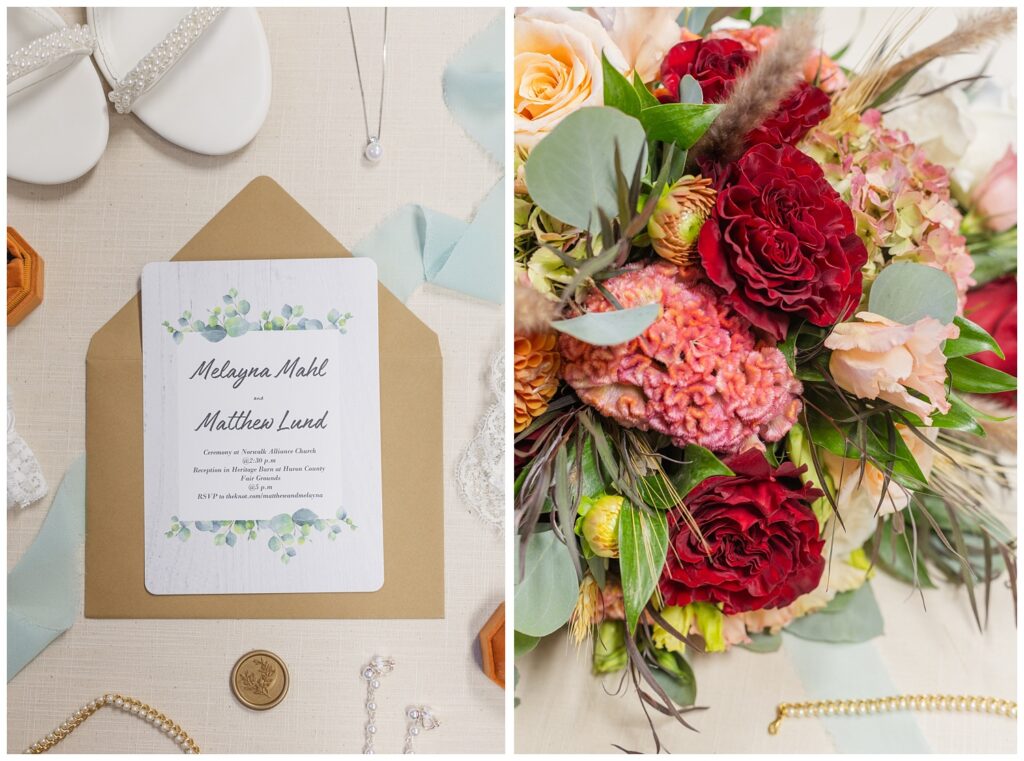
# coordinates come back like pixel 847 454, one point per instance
pixel 262 427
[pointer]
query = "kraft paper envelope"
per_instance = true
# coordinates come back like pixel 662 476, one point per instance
pixel 264 222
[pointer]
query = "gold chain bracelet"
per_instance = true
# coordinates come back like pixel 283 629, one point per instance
pixel 872 706
pixel 126 704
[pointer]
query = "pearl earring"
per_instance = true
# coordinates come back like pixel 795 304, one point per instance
pixel 372 672
pixel 420 718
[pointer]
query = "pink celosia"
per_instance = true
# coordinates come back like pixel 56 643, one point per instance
pixel 900 200
pixel 696 374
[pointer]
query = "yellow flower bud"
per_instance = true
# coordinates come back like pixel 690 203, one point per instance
pixel 600 525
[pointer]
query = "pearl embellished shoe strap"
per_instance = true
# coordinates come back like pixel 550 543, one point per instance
pixel 126 704
pixel 160 59
pixel 77 40
pixel 831 708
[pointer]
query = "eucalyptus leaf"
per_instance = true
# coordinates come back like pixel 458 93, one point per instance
pixel 213 335
pixel 610 328
pixel 523 643
pixel 643 547
pixel 858 619
pixel 690 90
pixel 905 292
pixel 763 642
pixel 303 517
pixel 571 172
pixel 230 539
pixel 546 594
pixel 282 524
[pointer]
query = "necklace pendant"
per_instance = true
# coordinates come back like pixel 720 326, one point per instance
pixel 373 151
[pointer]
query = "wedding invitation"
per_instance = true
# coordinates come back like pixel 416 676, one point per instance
pixel 262 427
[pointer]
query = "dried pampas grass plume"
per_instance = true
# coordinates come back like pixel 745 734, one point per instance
pixel 534 312
pixel 762 87
pixel 883 71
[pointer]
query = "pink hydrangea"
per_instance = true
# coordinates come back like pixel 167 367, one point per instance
pixel 697 374
pixel 900 200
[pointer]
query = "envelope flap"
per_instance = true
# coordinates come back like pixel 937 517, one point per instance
pixel 264 222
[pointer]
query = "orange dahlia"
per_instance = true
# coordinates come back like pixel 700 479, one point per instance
pixel 536 375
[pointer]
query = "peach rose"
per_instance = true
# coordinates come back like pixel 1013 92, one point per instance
pixel 995 196
pixel 557 68
pixel 644 36
pixel 877 358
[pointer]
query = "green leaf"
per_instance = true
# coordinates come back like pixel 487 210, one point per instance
pixel 850 617
pixel 700 463
pixel 682 689
pixel 679 123
pixel 645 96
pixel 546 595
pixel 643 546
pixel 523 643
pixel 618 92
pixel 286 311
pixel 230 539
pixel 243 307
pixel 590 479
pixel 610 328
pixel 973 339
pixel 763 642
pixel 894 556
pixel 571 172
pixel 976 378
pixel 906 291
pixel 769 17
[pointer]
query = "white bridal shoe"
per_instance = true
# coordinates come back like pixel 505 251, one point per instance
pixel 57 120
pixel 198 77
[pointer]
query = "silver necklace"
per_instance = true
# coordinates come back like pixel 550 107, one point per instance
pixel 373 150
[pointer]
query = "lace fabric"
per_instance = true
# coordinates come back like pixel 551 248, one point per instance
pixel 25 482
pixel 480 472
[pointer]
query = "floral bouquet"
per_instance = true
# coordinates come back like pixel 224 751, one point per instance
pixel 751 368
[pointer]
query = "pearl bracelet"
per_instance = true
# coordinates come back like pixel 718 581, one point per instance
pixel 126 704
pixel 871 706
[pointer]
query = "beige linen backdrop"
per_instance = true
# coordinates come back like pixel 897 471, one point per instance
pixel 143 201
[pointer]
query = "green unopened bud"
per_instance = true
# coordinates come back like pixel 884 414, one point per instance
pixel 610 648
pixel 600 524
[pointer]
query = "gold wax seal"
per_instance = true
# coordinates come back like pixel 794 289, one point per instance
pixel 259 680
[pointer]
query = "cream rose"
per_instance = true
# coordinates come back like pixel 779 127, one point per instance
pixel 876 358
pixel 557 68
pixel 644 35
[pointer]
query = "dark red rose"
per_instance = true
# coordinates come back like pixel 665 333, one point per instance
pixel 994 307
pixel 763 547
pixel 715 64
pixel 806 107
pixel 781 242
